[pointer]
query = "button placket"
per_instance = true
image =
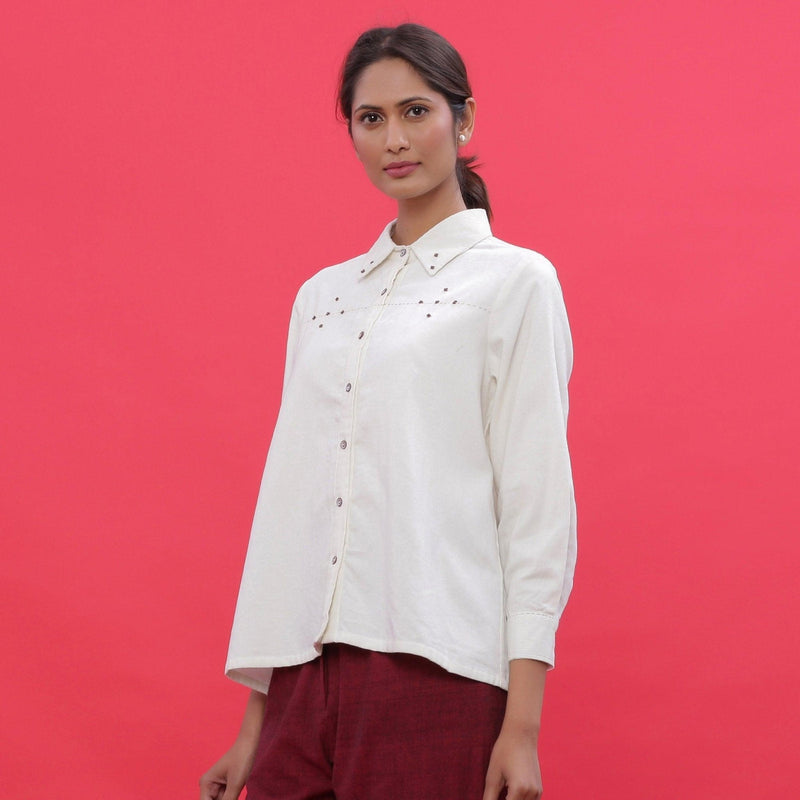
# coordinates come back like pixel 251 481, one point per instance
pixel 345 452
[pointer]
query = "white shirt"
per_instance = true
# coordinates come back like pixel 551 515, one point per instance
pixel 417 495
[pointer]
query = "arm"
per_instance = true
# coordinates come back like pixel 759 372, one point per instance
pixel 531 350
pixel 226 779
pixel 515 761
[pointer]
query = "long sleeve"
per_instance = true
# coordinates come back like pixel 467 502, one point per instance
pixel 530 358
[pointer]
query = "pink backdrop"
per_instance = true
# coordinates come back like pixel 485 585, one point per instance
pixel 171 172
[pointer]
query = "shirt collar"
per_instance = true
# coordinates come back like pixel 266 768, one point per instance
pixel 449 238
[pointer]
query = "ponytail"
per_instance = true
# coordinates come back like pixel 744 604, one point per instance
pixel 473 189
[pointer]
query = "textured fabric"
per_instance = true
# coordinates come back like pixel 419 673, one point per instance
pixel 417 495
pixel 358 725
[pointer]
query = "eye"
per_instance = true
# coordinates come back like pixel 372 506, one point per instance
pixel 417 111
pixel 369 117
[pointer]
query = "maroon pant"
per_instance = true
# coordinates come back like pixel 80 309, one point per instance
pixel 358 725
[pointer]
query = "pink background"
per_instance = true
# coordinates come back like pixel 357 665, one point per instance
pixel 171 172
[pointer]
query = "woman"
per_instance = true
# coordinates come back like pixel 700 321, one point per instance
pixel 414 539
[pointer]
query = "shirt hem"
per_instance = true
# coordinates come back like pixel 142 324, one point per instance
pixel 448 663
pixel 255 672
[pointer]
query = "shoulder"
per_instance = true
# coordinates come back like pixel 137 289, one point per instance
pixel 329 278
pixel 519 270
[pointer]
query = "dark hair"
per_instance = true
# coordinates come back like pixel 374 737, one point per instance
pixel 438 64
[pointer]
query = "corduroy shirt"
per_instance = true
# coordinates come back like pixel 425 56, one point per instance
pixel 417 495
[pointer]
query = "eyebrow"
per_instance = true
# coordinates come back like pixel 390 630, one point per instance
pixel 366 106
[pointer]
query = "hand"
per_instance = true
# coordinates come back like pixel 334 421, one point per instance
pixel 514 763
pixel 226 779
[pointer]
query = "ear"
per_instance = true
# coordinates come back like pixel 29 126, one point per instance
pixel 466 124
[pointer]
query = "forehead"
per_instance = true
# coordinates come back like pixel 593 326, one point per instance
pixel 388 82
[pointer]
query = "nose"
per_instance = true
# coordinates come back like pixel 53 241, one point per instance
pixel 396 137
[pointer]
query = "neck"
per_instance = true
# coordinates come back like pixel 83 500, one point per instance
pixel 417 215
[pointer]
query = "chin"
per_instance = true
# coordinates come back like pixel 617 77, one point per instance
pixel 398 192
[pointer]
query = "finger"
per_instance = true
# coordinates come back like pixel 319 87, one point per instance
pixel 523 792
pixel 232 791
pixel 210 789
pixel 493 786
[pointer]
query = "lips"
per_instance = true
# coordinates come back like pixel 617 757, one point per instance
pixel 399 169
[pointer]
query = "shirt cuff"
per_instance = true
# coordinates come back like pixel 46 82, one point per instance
pixel 531 635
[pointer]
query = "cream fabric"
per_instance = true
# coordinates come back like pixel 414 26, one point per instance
pixel 417 495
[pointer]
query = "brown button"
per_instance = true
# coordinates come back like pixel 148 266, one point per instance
pixel 361 335
pixel 403 252
pixel 343 444
pixel 334 560
pixel 339 502
pixel 348 387
pixel 383 292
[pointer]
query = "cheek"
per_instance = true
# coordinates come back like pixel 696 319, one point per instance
pixel 364 151
pixel 441 141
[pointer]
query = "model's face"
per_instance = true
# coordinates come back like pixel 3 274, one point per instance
pixel 404 132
